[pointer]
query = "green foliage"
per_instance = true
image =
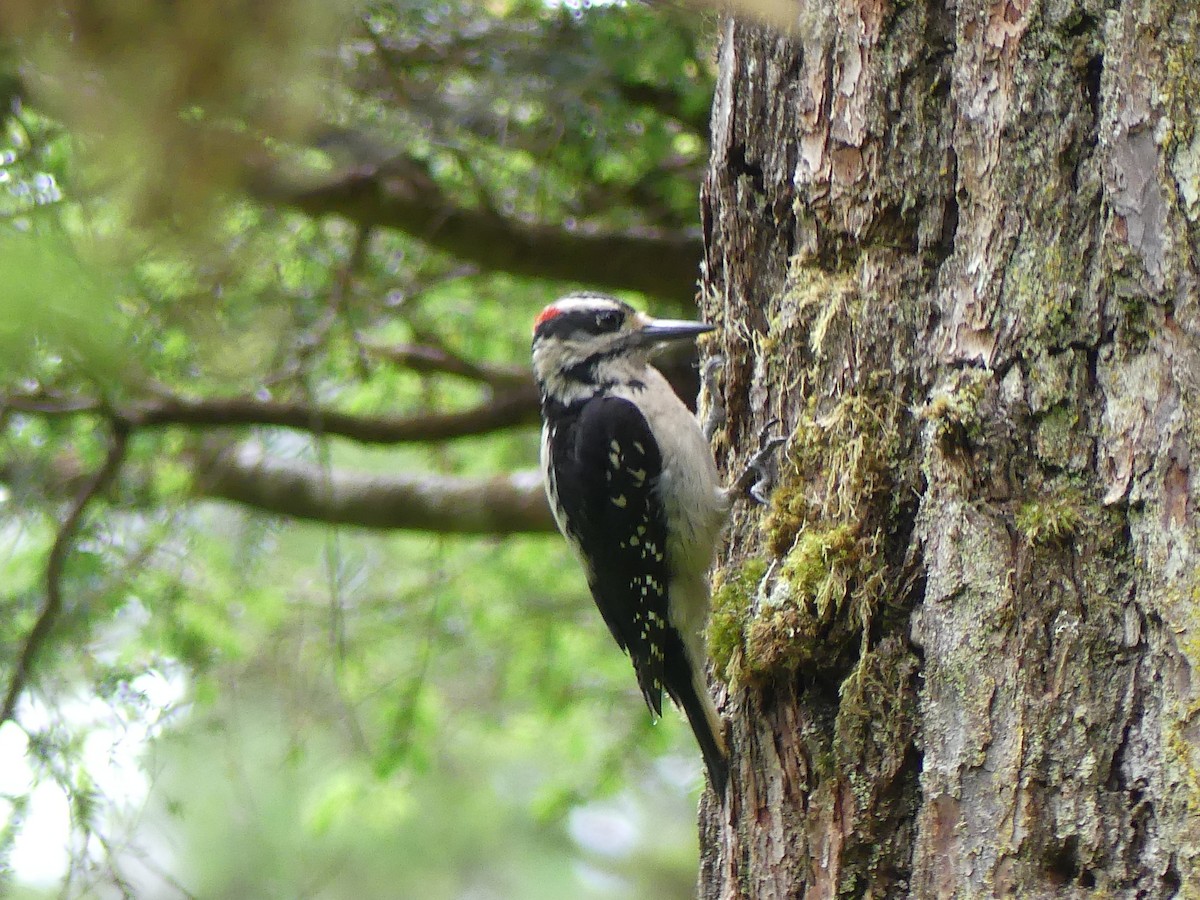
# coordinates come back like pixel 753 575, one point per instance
pixel 65 307
pixel 592 103
pixel 320 710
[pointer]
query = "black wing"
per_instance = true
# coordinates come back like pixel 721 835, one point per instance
pixel 607 465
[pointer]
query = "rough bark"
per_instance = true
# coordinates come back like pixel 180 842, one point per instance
pixel 953 248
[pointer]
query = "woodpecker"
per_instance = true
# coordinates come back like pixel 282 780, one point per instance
pixel 634 489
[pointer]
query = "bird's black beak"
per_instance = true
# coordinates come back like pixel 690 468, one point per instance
pixel 661 331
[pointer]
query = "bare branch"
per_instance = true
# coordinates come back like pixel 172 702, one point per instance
pixel 49 404
pixel 505 504
pixel 54 567
pixel 440 361
pixel 667 103
pixel 518 407
pixel 513 408
pixel 655 262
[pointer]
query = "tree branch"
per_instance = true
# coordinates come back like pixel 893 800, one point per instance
pixel 55 563
pixel 425 359
pixel 667 103
pixel 515 407
pixel 659 263
pixel 506 504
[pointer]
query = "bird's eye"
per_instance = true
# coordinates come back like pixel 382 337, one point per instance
pixel 609 320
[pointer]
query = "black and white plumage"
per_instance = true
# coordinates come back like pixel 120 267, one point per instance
pixel 634 489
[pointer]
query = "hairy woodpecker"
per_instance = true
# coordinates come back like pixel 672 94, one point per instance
pixel 634 489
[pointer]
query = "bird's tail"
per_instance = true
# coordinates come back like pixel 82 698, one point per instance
pixel 695 701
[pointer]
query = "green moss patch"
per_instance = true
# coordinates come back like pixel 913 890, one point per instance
pixel 731 608
pixel 1051 519
pixel 823 600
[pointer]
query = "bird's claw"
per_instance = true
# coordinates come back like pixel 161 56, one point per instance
pixel 762 469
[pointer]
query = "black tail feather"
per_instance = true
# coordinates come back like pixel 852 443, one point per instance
pixel 712 746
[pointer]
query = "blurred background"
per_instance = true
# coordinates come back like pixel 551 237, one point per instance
pixel 281 610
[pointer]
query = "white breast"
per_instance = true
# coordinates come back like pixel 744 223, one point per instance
pixel 690 489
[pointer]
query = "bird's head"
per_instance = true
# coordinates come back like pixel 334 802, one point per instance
pixel 590 339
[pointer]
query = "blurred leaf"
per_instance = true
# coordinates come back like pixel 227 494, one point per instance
pixel 363 714
pixel 53 303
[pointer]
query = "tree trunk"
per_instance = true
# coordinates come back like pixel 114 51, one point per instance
pixel 953 251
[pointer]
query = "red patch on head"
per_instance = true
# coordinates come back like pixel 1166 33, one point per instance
pixel 546 315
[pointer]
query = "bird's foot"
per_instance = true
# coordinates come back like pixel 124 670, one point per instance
pixel 762 470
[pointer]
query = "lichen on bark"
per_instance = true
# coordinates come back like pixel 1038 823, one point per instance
pixel 953 249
